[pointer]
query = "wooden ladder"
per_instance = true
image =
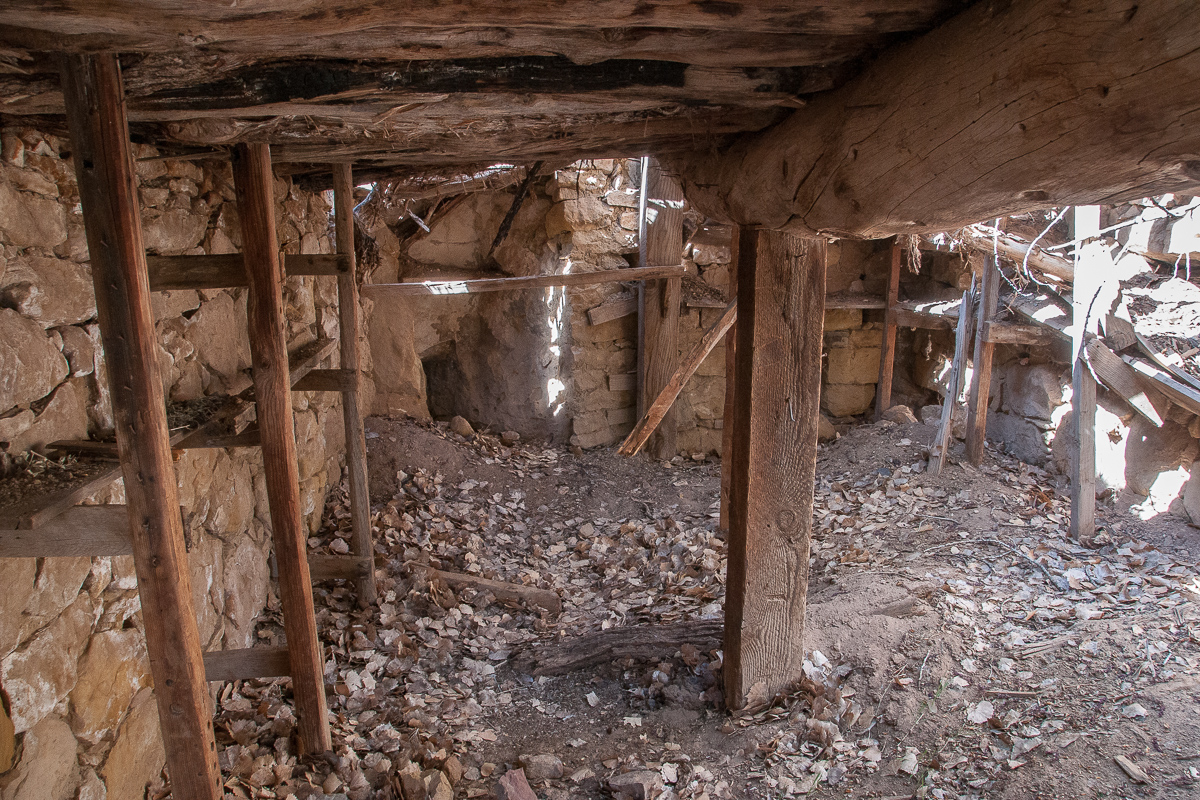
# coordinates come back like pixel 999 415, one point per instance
pixel 150 526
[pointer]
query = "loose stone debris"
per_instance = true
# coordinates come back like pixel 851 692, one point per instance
pixel 959 645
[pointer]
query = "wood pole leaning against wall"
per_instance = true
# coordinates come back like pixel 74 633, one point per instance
pixel 108 193
pixel 981 362
pixel 887 356
pixel 356 443
pixel 781 316
pixel 254 184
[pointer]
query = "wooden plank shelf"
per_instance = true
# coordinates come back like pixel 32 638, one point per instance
pixel 37 511
pixel 229 270
pixel 77 531
pixel 327 380
pixel 247 664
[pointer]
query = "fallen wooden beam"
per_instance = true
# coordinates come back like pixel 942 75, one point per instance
pixel 666 398
pixel 543 598
pixel 1124 381
pixel 640 642
pixel 229 270
pixel 247 664
pixel 525 282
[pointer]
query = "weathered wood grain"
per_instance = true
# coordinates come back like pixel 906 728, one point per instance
pixel 641 642
pixel 229 270
pixel 939 450
pixel 887 355
pixel 781 291
pixel 348 320
pixel 982 117
pixel 247 664
pixel 109 197
pixel 524 282
pixel 981 362
pixel 254 184
pixel 79 531
pixel 662 246
pixel 327 380
pixel 727 411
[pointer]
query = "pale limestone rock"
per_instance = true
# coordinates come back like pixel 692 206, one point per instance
pixel 217 332
pixel 17 576
pixel 901 415
pixel 460 426
pixel 53 291
pixel 39 675
pixel 544 767
pixel 170 304
pixel 112 670
pixel 205 567
pixel 58 584
pixel 637 785
pixel 137 757
pixel 13 426
pixel 79 348
pixel 30 364
pixel 461 238
pixel 846 399
pixel 30 220
pixel 853 365
pixel 64 417
pixel 172 231
pixel 246 579
pixel 310 444
pixel 91 787
pixel 825 430
pixel 48 769
pixel 839 319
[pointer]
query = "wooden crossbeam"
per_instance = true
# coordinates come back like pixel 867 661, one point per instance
pixel 437 288
pixel 90 531
pixel 108 196
pixel 666 398
pixel 327 380
pixel 247 664
pixel 1125 382
pixel 254 185
pixel 842 300
pixel 228 270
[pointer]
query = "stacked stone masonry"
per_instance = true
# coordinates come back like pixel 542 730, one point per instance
pixel 72 655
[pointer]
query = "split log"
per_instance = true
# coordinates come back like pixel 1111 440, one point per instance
pixel 254 185
pixel 781 291
pixel 109 198
pixel 640 642
pixel 666 398
pixel 524 282
pixel 954 126
pixel 543 598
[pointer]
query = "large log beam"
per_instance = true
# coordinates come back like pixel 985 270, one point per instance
pixel 1006 108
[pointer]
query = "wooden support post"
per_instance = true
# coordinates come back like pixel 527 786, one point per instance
pixel 887 356
pixel 356 443
pixel 730 384
pixel 781 294
pixel 981 373
pixel 1083 385
pixel 941 442
pixel 108 194
pixel 254 184
pixel 663 247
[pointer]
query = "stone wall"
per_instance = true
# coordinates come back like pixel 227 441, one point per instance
pixel 72 654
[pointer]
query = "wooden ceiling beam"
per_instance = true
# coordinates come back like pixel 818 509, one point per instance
pixel 1004 109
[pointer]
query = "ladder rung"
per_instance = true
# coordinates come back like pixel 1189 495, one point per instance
pixel 252 662
pixel 327 380
pixel 229 270
pixel 77 531
pixel 305 358
pixel 348 568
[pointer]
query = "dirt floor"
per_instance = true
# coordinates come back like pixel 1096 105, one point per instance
pixel 958 645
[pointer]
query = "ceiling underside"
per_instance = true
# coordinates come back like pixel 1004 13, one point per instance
pixel 388 83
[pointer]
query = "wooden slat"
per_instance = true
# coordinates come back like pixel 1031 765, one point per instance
pixel 841 300
pixel 543 598
pixel 247 664
pixel 981 361
pixel 781 291
pixel 327 380
pixel 108 196
pixel 204 440
pixel 344 568
pixel 254 186
pixel 1179 392
pixel 1123 380
pixel 908 318
pixel 1017 333
pixel 887 356
pixel 304 359
pixel 90 531
pixel 1181 375
pixel 663 245
pixel 658 409
pixel 941 442
pixel 607 312
pixel 39 510
pixel 527 282
pixel 229 270
pixel 348 320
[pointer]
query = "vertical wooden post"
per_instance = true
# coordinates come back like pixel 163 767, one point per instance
pixel 981 375
pixel 940 449
pixel 887 356
pixel 356 444
pixel 663 247
pixel 108 193
pixel 730 385
pixel 643 188
pixel 1083 385
pixel 781 299
pixel 254 185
